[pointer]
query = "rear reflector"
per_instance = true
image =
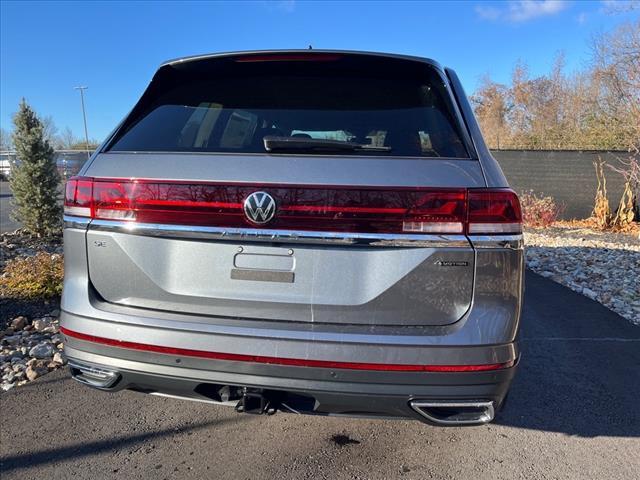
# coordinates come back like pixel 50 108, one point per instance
pixel 293 362
pixel 305 208
pixel 433 227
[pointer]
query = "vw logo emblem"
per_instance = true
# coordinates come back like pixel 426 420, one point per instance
pixel 260 207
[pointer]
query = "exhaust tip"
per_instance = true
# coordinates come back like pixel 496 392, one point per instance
pixel 96 377
pixel 455 413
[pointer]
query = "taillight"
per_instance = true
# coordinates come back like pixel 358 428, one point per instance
pixel 78 197
pixel 115 200
pixel 494 212
pixel 437 211
pixel 307 208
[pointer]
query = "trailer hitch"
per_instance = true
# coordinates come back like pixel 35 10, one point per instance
pixel 258 402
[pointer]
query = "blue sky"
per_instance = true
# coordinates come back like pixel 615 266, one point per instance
pixel 46 48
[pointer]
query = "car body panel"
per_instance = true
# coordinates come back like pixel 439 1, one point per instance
pixel 493 319
pixel 289 169
pixel 378 286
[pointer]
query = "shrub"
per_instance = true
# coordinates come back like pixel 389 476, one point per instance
pixel 38 276
pixel 34 177
pixel 538 210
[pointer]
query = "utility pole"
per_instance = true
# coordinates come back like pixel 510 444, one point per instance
pixel 84 117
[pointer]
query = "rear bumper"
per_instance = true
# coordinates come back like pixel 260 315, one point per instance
pixel 485 336
pixel 310 390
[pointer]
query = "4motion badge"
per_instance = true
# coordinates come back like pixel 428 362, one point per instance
pixel 451 263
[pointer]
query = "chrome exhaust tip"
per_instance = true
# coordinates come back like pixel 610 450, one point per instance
pixel 455 412
pixel 96 377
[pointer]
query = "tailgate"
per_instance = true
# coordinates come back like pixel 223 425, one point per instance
pixel 295 186
pixel 311 263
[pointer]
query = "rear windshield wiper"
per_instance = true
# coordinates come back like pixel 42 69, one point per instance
pixel 274 144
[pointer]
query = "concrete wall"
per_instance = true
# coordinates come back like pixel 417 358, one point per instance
pixel 568 176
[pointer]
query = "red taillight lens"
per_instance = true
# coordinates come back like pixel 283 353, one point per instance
pixel 494 212
pixel 78 197
pixel 437 212
pixel 308 208
pixel 114 200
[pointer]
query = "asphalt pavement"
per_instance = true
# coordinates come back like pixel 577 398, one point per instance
pixel 573 412
pixel 6 224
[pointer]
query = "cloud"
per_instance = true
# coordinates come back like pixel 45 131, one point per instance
pixel 581 18
pixel 488 13
pixel 517 11
pixel 287 6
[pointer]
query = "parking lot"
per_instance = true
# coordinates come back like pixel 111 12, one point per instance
pixel 572 413
pixel 6 224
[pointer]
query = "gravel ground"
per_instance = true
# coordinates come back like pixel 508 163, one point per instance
pixel 17 244
pixel 602 266
pixel 30 344
pixel 30 349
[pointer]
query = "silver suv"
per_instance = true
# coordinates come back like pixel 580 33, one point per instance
pixel 319 232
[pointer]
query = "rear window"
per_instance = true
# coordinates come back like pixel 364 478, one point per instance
pixel 225 105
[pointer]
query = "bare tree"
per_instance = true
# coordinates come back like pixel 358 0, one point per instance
pixel 613 8
pixel 67 139
pixel 598 108
pixel 5 140
pixel 616 69
pixel 492 104
pixel 49 129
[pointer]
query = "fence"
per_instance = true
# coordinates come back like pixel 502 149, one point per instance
pixel 567 176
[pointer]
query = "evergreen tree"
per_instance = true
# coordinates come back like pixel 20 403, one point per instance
pixel 34 177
